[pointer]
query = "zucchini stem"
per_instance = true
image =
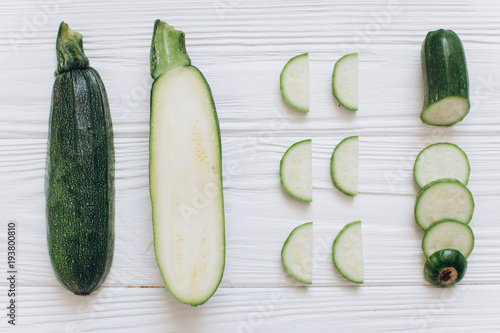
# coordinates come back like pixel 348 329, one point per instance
pixel 168 49
pixel 69 48
pixel 448 276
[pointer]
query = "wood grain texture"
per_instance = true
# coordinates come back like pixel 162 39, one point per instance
pixel 353 309
pixel 241 47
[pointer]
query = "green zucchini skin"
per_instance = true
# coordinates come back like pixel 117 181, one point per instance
pixel 444 70
pixel 445 268
pixel 80 181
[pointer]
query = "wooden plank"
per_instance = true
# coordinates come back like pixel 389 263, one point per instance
pixel 355 309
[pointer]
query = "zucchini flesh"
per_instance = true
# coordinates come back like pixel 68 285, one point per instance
pixel 345 81
pixel 294 82
pixel 80 171
pixel 296 254
pixel 344 165
pixel 347 252
pixel 448 234
pixel 185 173
pixel 441 160
pixel 296 170
pixel 443 199
pixel 445 77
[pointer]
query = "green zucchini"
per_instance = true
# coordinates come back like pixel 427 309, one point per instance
pixel 80 171
pixel 185 172
pixel 446 81
pixel 445 268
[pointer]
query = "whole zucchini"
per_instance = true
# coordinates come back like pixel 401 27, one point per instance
pixel 80 171
pixel 446 81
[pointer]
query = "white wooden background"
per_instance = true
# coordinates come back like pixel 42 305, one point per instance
pixel 241 47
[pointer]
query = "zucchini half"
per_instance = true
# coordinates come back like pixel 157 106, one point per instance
pixel 185 172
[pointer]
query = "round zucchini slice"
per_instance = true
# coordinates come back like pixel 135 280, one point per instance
pixel 443 199
pixel 448 234
pixel 441 160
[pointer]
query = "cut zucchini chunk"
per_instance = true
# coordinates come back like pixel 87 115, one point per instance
pixel 345 81
pixel 296 254
pixel 446 81
pixel 443 199
pixel 441 160
pixel 294 82
pixel 445 268
pixel 448 234
pixel 296 170
pixel 344 166
pixel 347 252
pixel 185 172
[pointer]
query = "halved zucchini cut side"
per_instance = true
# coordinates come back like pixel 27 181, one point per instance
pixel 345 81
pixel 185 172
pixel 347 252
pixel 294 82
pixel 296 170
pixel 344 166
pixel 296 254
